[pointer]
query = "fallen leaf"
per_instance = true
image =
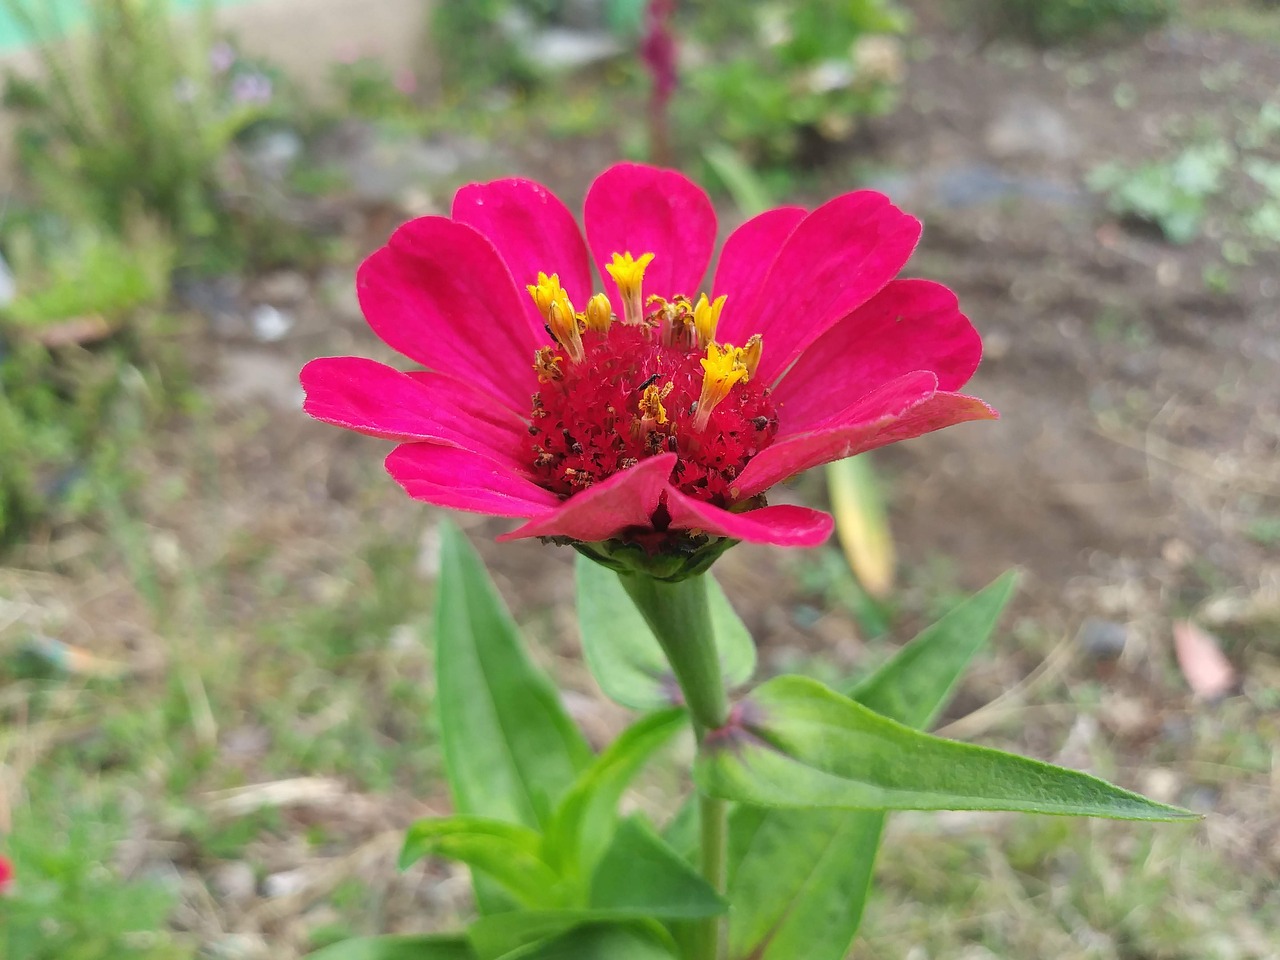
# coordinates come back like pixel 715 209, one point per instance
pixel 1208 672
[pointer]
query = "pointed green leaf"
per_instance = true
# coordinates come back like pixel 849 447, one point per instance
pixel 798 879
pixel 641 874
pixel 600 942
pixel 508 853
pixel 801 744
pixel 397 948
pixel 506 936
pixel 585 819
pixel 624 655
pixel 510 749
pixel 915 684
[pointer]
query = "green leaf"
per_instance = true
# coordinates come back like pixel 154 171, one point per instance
pixel 510 749
pixel 600 942
pixel 624 655
pixel 914 685
pixel 639 873
pixel 509 853
pixel 799 878
pixel 801 744
pixel 749 192
pixel 585 820
pixel 397 948
pixel 507 936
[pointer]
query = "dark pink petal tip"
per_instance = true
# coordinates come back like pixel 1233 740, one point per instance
pixel 783 525
pixel 625 501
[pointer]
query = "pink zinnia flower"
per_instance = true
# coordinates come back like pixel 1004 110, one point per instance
pixel 6 874
pixel 655 415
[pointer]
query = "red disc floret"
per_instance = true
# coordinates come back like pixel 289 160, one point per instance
pixel 588 423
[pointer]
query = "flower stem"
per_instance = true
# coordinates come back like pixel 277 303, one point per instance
pixel 681 620
pixel 713 827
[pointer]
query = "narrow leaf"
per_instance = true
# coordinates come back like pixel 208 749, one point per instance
pixel 508 853
pixel 799 878
pixel 641 874
pixel 510 749
pixel 624 655
pixel 800 744
pixel 915 684
pixel 600 942
pixel 397 948
pixel 506 936
pixel 586 818
pixel 862 524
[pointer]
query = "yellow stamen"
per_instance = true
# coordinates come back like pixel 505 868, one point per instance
pixel 563 323
pixel 651 409
pixel 723 366
pixel 706 316
pixel 546 292
pixel 628 274
pixel 548 365
pixel 751 353
pixel 599 314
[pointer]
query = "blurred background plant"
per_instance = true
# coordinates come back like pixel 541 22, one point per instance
pixel 1052 22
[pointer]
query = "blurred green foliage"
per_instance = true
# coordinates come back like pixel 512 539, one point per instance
pixel 780 82
pixel 68 902
pixel 1052 22
pixel 1172 195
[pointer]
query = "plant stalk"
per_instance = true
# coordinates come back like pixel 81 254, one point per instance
pixel 680 618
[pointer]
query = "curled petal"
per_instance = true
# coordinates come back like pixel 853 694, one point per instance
pixel 440 294
pixel 783 525
pixel 465 480
pixel 905 408
pixel 632 208
pixel 606 509
pixel 835 260
pixel 746 258
pixel 909 325
pixel 374 399
pixel 532 231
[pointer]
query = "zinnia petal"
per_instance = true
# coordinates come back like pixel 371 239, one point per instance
pixel 532 231
pixel 377 400
pixel 784 525
pixel 440 294
pixel 909 325
pixel 833 262
pixel 465 480
pixel 899 410
pixel 625 501
pixel 635 209
pixel 747 256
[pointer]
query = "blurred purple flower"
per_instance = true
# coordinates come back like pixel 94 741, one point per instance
pixel 658 48
pixel 222 57
pixel 251 87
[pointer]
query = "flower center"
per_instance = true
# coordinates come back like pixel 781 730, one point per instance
pixel 657 382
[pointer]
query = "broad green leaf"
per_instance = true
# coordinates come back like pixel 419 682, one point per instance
pixel 862 524
pixel 510 749
pixel 804 745
pixel 508 853
pixel 640 873
pixel 624 655
pixel 585 819
pixel 600 942
pixel 507 936
pixel 397 948
pixel 799 878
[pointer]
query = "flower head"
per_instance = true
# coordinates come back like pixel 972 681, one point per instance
pixel 6 875
pixel 649 425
